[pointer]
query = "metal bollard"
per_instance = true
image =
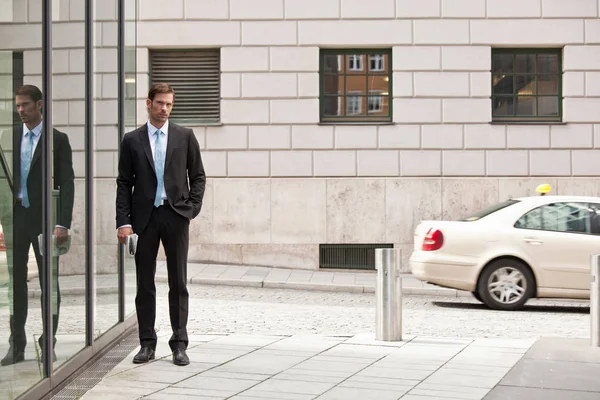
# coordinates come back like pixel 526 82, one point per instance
pixel 595 301
pixel 389 296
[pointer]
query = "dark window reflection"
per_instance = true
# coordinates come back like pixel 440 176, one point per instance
pixel 526 84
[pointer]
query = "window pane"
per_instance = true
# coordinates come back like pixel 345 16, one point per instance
pixel 503 84
pixel 331 62
pixel 503 106
pixel 525 63
pixel 333 84
pixel 547 84
pixel 332 106
pixel 356 84
pixel 502 63
pixel 355 63
pixel 378 63
pixel 547 106
pixel 526 84
pixel 375 104
pixel 355 105
pixel 525 106
pixel 547 63
pixel 594 218
pixel 565 217
pixel 379 83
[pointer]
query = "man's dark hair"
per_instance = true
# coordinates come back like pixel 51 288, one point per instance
pixel 160 88
pixel 30 90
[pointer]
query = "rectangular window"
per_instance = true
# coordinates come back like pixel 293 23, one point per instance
pixel 352 93
pixel 195 77
pixel 526 85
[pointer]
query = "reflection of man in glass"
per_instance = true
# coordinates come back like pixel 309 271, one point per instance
pixel 28 199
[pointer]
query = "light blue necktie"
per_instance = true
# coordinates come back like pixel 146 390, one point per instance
pixel 159 165
pixel 26 166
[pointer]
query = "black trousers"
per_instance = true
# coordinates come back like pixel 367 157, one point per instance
pixel 26 229
pixel 172 230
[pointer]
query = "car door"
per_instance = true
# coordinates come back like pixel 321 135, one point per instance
pixel 559 238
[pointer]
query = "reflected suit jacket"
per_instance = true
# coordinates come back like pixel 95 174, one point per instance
pixel 184 176
pixel 63 177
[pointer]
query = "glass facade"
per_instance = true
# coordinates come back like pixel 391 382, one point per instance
pixel 68 92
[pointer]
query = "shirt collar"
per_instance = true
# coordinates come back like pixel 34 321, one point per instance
pixel 152 129
pixel 36 131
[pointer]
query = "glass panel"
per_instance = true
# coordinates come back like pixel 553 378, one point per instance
pixel 547 63
pixel 525 63
pixel 525 106
pixel 70 230
pixel 378 63
pixel 332 106
pixel 502 63
pixel 503 84
pixel 20 310
pixel 547 84
pixel 503 106
pixel 106 141
pixel 356 84
pixel 547 106
pixel 355 63
pixel 526 84
pixel 355 105
pixel 379 83
pixel 332 63
pixel 333 84
pixel 377 105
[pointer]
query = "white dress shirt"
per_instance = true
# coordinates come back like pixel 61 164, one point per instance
pixel 151 130
pixel 37 133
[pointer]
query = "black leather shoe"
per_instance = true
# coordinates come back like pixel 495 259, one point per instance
pixel 180 358
pixel 12 357
pixel 145 354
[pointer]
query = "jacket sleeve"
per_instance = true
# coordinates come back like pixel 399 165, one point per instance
pixel 125 182
pixel 64 179
pixel 196 175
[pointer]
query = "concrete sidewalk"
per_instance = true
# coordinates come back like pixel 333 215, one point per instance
pixel 317 367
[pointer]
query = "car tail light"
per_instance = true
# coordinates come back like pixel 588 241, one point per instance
pixel 434 239
pixel 2 244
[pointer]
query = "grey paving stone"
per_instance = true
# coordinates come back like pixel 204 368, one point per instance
pixel 560 349
pixel 231 386
pixel 189 393
pixel 358 351
pixel 146 375
pixel 564 375
pixel 443 377
pixel 247 340
pixel 311 372
pixel 261 364
pixel 435 397
pixel 312 365
pixel 459 390
pixel 298 376
pixel 293 386
pixel 257 394
pixel 395 373
pixel 521 393
pixel 439 394
pixel 399 388
pixel 214 373
pixel 341 393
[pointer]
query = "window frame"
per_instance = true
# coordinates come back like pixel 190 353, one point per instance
pixel 524 118
pixel 541 208
pixel 356 119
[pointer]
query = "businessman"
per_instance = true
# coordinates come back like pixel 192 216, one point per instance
pixel 160 187
pixel 28 215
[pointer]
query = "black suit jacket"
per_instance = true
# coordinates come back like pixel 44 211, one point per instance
pixel 63 176
pixel 136 183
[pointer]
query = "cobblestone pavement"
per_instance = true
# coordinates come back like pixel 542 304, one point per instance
pixel 221 309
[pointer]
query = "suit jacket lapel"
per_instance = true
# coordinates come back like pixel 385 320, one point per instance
pixel 171 138
pixel 146 145
pixel 17 137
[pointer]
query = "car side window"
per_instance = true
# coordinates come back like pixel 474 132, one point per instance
pixel 562 217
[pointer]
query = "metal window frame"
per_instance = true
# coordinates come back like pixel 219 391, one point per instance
pixel 353 119
pixel 524 118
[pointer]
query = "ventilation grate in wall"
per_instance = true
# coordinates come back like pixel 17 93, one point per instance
pixel 349 256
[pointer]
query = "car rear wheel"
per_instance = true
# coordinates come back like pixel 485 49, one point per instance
pixel 506 284
pixel 477 296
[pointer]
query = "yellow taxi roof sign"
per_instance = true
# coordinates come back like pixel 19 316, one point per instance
pixel 543 189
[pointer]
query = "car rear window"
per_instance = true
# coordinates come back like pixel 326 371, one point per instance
pixel 489 210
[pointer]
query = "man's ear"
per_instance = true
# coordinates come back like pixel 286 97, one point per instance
pixel 38 104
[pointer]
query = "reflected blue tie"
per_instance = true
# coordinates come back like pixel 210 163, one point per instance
pixel 26 166
pixel 159 165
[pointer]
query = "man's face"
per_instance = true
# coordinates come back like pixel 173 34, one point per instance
pixel 160 108
pixel 29 110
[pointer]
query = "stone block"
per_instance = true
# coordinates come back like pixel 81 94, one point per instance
pixel 592 83
pixel 466 58
pixel 296 111
pixel 312 137
pixel 312 9
pixel 360 9
pixel 480 84
pixel 463 9
pixel 467 110
pixel 243 59
pixel 400 137
pixel 306 227
pixel 581 110
pixel 215 253
pixel 359 33
pixel 242 213
pixel 442 136
pixel 572 136
pixel 577 187
pixel 573 84
pixel 67 35
pixel 297 256
pixel 334 163
pixel 441 84
pixel 296 59
pixel 461 197
pixel 526 32
pixel 269 85
pixel 270 137
pixel 512 188
pixel 463 162
pixel 291 163
pixel 514 9
pixel 417 110
pixel 421 163
pixel 528 137
pixel 215 163
pixel 259 9
pixel 308 84
pixel 157 9
pixel 550 162
pixel 403 84
pixel 586 162
pixel 507 162
pixel 378 163
pixel 354 212
pixel 407 203
pixel 485 136
pixel 441 31
pixel 248 163
pixel 575 9
pixel 417 9
pixel 245 111
pixel 206 9
pixel 592 31
pixel 355 137
pixel 231 85
pixel 416 58
pixel 581 58
pixel 269 33
pixel 201 227
pixel 188 33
